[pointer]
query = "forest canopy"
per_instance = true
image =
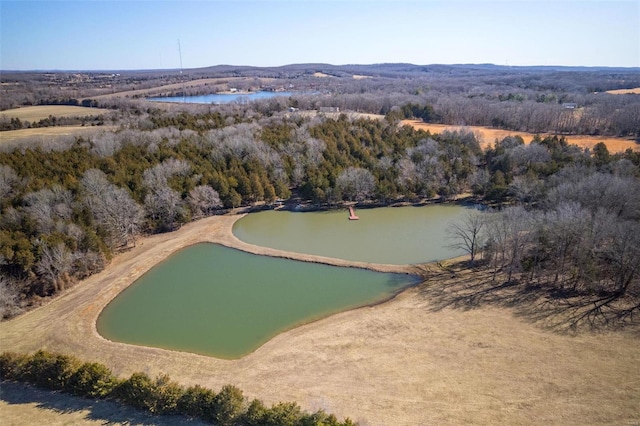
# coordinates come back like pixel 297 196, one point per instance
pixel 67 206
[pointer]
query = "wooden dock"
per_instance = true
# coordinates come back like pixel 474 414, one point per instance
pixel 352 214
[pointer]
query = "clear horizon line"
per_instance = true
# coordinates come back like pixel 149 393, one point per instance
pixel 469 64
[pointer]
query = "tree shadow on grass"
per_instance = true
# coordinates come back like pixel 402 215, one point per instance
pixel 460 287
pixel 105 412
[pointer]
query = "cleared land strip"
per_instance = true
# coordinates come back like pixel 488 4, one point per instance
pixel 30 138
pixel 488 136
pixel 40 112
pixel 634 91
pixel 403 362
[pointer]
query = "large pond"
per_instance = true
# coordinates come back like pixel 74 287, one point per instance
pixel 222 98
pixel 217 301
pixel 392 235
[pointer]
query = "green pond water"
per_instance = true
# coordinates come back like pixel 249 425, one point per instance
pixel 392 235
pixel 217 301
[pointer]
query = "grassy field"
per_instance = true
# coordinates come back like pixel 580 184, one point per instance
pixel 635 91
pixel 489 135
pixel 40 112
pixel 421 358
pixel 31 137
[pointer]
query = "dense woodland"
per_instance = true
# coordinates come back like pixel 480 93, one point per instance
pixel 562 217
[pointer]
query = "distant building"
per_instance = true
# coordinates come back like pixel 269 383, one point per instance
pixel 329 109
pixel 569 105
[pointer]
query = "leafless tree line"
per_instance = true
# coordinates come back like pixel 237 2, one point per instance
pixel 530 100
pixel 584 239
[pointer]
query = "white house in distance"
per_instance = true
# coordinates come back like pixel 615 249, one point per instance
pixel 329 109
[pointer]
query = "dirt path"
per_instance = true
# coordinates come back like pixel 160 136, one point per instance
pixel 403 362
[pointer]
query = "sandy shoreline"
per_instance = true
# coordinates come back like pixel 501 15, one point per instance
pixel 400 362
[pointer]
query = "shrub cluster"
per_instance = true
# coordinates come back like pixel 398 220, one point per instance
pixel 159 396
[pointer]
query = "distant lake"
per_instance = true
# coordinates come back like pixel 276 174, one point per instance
pixel 218 98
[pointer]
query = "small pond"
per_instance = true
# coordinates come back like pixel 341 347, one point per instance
pixel 221 98
pixel 391 235
pixel 213 300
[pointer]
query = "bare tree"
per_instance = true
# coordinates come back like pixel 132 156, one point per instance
pixel 105 144
pixel 422 172
pixel 8 181
pixel 47 206
pixel 508 233
pixel 480 181
pixel 467 233
pixel 594 191
pixel 157 176
pixel 623 168
pixel 527 188
pixel 203 201
pixel 523 157
pixel 562 231
pixel 9 301
pixel 95 183
pixel 408 175
pixel 623 253
pixel 38 207
pixel 163 206
pixel 356 183
pixel 54 264
pixel 113 209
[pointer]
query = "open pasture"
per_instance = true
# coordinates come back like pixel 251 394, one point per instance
pixel 30 138
pixel 40 112
pixel 634 91
pixel 488 136
pixel 417 359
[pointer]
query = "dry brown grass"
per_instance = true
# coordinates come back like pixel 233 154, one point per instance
pixel 487 136
pixel 321 75
pixel 24 405
pixel 635 91
pixel 413 360
pixel 40 112
pixel 23 137
pixel 360 77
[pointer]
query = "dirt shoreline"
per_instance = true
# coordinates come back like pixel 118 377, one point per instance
pixel 402 362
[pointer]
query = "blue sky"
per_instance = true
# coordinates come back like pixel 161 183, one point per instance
pixel 144 34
